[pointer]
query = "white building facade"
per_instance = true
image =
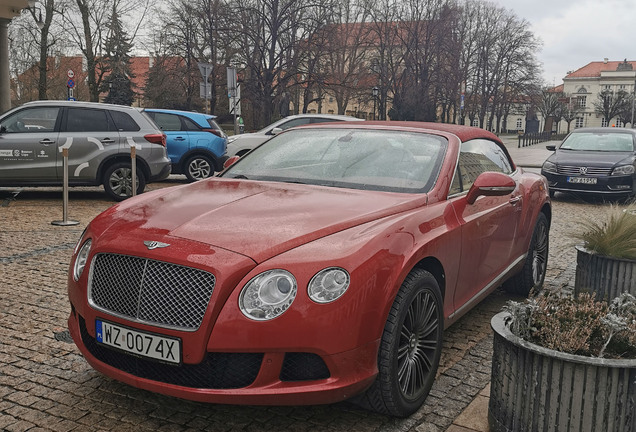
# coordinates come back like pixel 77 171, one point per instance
pixel 584 85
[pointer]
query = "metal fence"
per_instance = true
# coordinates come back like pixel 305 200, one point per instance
pixel 528 139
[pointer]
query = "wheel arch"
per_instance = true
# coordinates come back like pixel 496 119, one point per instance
pixel 106 163
pixel 434 267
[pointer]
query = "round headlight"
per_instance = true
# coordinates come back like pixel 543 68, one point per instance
pixel 81 258
pixel 268 295
pixel 328 285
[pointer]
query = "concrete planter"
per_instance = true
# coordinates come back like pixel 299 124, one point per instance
pixel 537 389
pixel 607 277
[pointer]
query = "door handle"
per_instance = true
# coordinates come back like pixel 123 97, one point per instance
pixel 179 139
pixel 47 141
pixel 107 141
pixel 515 200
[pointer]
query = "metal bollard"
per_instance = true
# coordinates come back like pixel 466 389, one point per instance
pixel 65 221
pixel 133 165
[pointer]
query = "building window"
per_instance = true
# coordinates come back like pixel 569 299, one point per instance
pixel 619 123
pixel 621 87
pixel 581 101
pixel 476 122
pixel 519 123
pixel 607 87
pixel 603 122
pixel 578 122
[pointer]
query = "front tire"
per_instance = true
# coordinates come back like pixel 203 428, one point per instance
pixel 198 167
pixel 532 275
pixel 118 181
pixel 410 348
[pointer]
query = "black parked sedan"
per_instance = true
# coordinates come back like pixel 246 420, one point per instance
pixel 598 161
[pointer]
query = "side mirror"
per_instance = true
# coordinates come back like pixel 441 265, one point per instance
pixel 230 161
pixel 490 184
pixel 275 131
pixel 2 129
pixel 551 147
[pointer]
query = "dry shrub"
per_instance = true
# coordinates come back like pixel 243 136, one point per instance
pixel 615 236
pixel 578 325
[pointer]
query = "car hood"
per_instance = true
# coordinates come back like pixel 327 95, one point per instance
pixel 591 158
pixel 256 219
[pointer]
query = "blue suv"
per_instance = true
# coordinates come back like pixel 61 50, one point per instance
pixel 196 144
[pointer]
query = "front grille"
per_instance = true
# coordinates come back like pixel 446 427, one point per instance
pixel 576 171
pixel 216 371
pixel 149 291
pixel 298 366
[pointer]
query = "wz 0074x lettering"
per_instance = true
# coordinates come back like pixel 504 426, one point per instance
pixel 136 342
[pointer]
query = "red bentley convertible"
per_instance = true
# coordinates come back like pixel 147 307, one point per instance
pixel 324 264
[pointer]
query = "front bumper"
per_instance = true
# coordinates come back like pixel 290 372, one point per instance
pixel 259 378
pixel 605 185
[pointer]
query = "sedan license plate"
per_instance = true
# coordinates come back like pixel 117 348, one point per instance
pixel 584 180
pixel 140 343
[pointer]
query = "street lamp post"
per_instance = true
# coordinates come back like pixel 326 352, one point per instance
pixel 375 92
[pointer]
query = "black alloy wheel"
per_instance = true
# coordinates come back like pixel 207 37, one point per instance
pixel 410 348
pixel 532 275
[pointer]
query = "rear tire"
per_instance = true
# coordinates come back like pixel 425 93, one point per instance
pixel 532 275
pixel 118 181
pixel 410 348
pixel 198 167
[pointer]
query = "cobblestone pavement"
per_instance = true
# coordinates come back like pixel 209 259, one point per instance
pixel 45 384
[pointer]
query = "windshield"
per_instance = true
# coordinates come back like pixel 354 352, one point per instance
pixel 599 141
pixel 351 158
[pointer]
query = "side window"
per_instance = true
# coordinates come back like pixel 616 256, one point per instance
pixel 190 125
pixel 476 157
pixel 31 120
pixel 87 120
pixel 294 123
pixel 124 122
pixel 323 120
pixel 167 122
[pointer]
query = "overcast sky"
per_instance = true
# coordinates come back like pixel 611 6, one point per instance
pixel 575 33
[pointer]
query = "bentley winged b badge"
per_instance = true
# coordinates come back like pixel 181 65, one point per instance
pixel 155 244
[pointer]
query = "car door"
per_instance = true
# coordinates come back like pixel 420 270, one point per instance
pixel 28 146
pixel 91 137
pixel 177 139
pixel 488 226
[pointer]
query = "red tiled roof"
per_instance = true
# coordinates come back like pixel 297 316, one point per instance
pixel 594 69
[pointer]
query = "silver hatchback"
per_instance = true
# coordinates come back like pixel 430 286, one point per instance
pixel 99 138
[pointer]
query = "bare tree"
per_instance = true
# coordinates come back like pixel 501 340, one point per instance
pixel 85 21
pixel 570 110
pixel 346 42
pixel 550 106
pixel 610 104
pixel 268 32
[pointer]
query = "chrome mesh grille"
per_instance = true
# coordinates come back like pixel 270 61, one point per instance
pixel 149 291
pixel 576 170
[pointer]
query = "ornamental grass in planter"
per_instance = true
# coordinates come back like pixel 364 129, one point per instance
pixel 606 260
pixel 564 364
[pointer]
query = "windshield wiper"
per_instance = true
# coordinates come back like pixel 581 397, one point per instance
pixel 240 176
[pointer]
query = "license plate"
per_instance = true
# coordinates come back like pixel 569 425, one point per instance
pixel 140 343
pixel 584 180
